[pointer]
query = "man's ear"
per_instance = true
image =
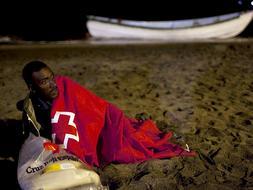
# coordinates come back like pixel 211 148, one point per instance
pixel 31 89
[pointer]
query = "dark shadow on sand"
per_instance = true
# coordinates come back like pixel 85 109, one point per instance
pixel 10 143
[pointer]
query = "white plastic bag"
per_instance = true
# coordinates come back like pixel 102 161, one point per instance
pixel 43 165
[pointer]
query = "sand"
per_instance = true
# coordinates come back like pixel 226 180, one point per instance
pixel 203 92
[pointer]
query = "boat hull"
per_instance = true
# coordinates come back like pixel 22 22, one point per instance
pixel 220 30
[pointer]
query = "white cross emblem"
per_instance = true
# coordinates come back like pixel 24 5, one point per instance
pixel 55 119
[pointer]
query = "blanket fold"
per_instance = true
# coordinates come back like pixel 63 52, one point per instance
pixel 99 133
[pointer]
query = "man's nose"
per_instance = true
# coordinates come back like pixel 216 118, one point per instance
pixel 52 83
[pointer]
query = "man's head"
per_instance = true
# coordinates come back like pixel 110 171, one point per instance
pixel 40 80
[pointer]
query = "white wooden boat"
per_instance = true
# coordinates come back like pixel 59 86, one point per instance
pixel 222 26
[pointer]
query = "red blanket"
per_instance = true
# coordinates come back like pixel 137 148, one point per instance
pixel 99 133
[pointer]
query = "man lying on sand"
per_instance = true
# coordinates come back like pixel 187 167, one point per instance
pixel 88 126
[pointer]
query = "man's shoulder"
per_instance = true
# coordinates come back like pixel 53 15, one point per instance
pixel 21 103
pixel 64 78
pixel 28 101
pixel 67 82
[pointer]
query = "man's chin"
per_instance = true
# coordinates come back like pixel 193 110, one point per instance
pixel 54 95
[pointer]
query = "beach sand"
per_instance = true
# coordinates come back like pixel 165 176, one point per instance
pixel 203 92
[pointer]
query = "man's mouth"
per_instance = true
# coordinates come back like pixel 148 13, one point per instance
pixel 54 91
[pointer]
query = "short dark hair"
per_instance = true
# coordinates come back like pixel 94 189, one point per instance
pixel 31 67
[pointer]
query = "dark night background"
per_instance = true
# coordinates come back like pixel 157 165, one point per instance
pixel 39 20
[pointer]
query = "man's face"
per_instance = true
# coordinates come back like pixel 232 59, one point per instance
pixel 44 83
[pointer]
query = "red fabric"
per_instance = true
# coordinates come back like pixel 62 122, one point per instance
pixel 100 133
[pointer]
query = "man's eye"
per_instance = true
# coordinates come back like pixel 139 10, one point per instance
pixel 43 82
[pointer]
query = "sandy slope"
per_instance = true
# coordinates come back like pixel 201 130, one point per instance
pixel 201 91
